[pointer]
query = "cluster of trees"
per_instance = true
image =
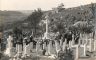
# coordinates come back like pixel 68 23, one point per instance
pixel 35 19
pixel 81 27
pixel 59 23
pixel 33 22
pixel 82 21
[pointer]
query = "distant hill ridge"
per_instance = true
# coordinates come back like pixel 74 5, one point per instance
pixel 20 16
pixel 11 16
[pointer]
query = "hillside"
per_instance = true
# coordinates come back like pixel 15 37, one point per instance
pixel 26 12
pixel 67 16
pixel 7 18
pixel 11 16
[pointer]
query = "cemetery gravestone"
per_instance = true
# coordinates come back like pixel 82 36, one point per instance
pixel 57 46
pixel 9 48
pixel 50 47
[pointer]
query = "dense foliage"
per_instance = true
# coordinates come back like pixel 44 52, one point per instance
pixel 34 19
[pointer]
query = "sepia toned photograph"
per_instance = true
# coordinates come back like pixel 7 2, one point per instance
pixel 47 29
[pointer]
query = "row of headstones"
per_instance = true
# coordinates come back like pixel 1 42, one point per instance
pixel 86 44
pixel 91 47
pixel 29 47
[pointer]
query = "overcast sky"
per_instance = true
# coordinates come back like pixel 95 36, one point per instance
pixel 43 4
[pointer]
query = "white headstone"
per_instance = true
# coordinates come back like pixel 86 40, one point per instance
pixel 44 45
pixel 90 49
pixel 86 39
pixel 85 47
pixel 79 41
pixel 37 46
pixel 31 45
pixel 61 41
pixel 64 46
pixel 77 52
pixel 94 45
pixel 57 46
pixel 73 41
pixel 70 44
pixel 66 41
pixel 24 42
pixel 49 47
pixel 27 50
pixel 16 47
pixel 9 46
pixel 19 48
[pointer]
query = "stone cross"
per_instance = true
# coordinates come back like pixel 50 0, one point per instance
pixel 46 27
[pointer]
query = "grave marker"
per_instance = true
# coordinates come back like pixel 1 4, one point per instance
pixel 85 47
pixel 19 48
pixel 77 52
pixel 94 45
pixel 90 49
pixel 37 46
pixel 9 49
pixel 57 46
pixel 64 45
pixel 50 47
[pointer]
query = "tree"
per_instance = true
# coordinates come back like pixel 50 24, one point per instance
pixel 57 25
pixel 18 36
pixel 17 31
pixel 60 7
pixel 34 19
pixel 92 9
pixel 82 27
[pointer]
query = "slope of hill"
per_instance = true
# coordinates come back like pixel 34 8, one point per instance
pixel 7 18
pixel 67 16
pixel 71 15
pixel 11 16
pixel 26 12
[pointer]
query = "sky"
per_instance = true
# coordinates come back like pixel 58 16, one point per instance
pixel 43 4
